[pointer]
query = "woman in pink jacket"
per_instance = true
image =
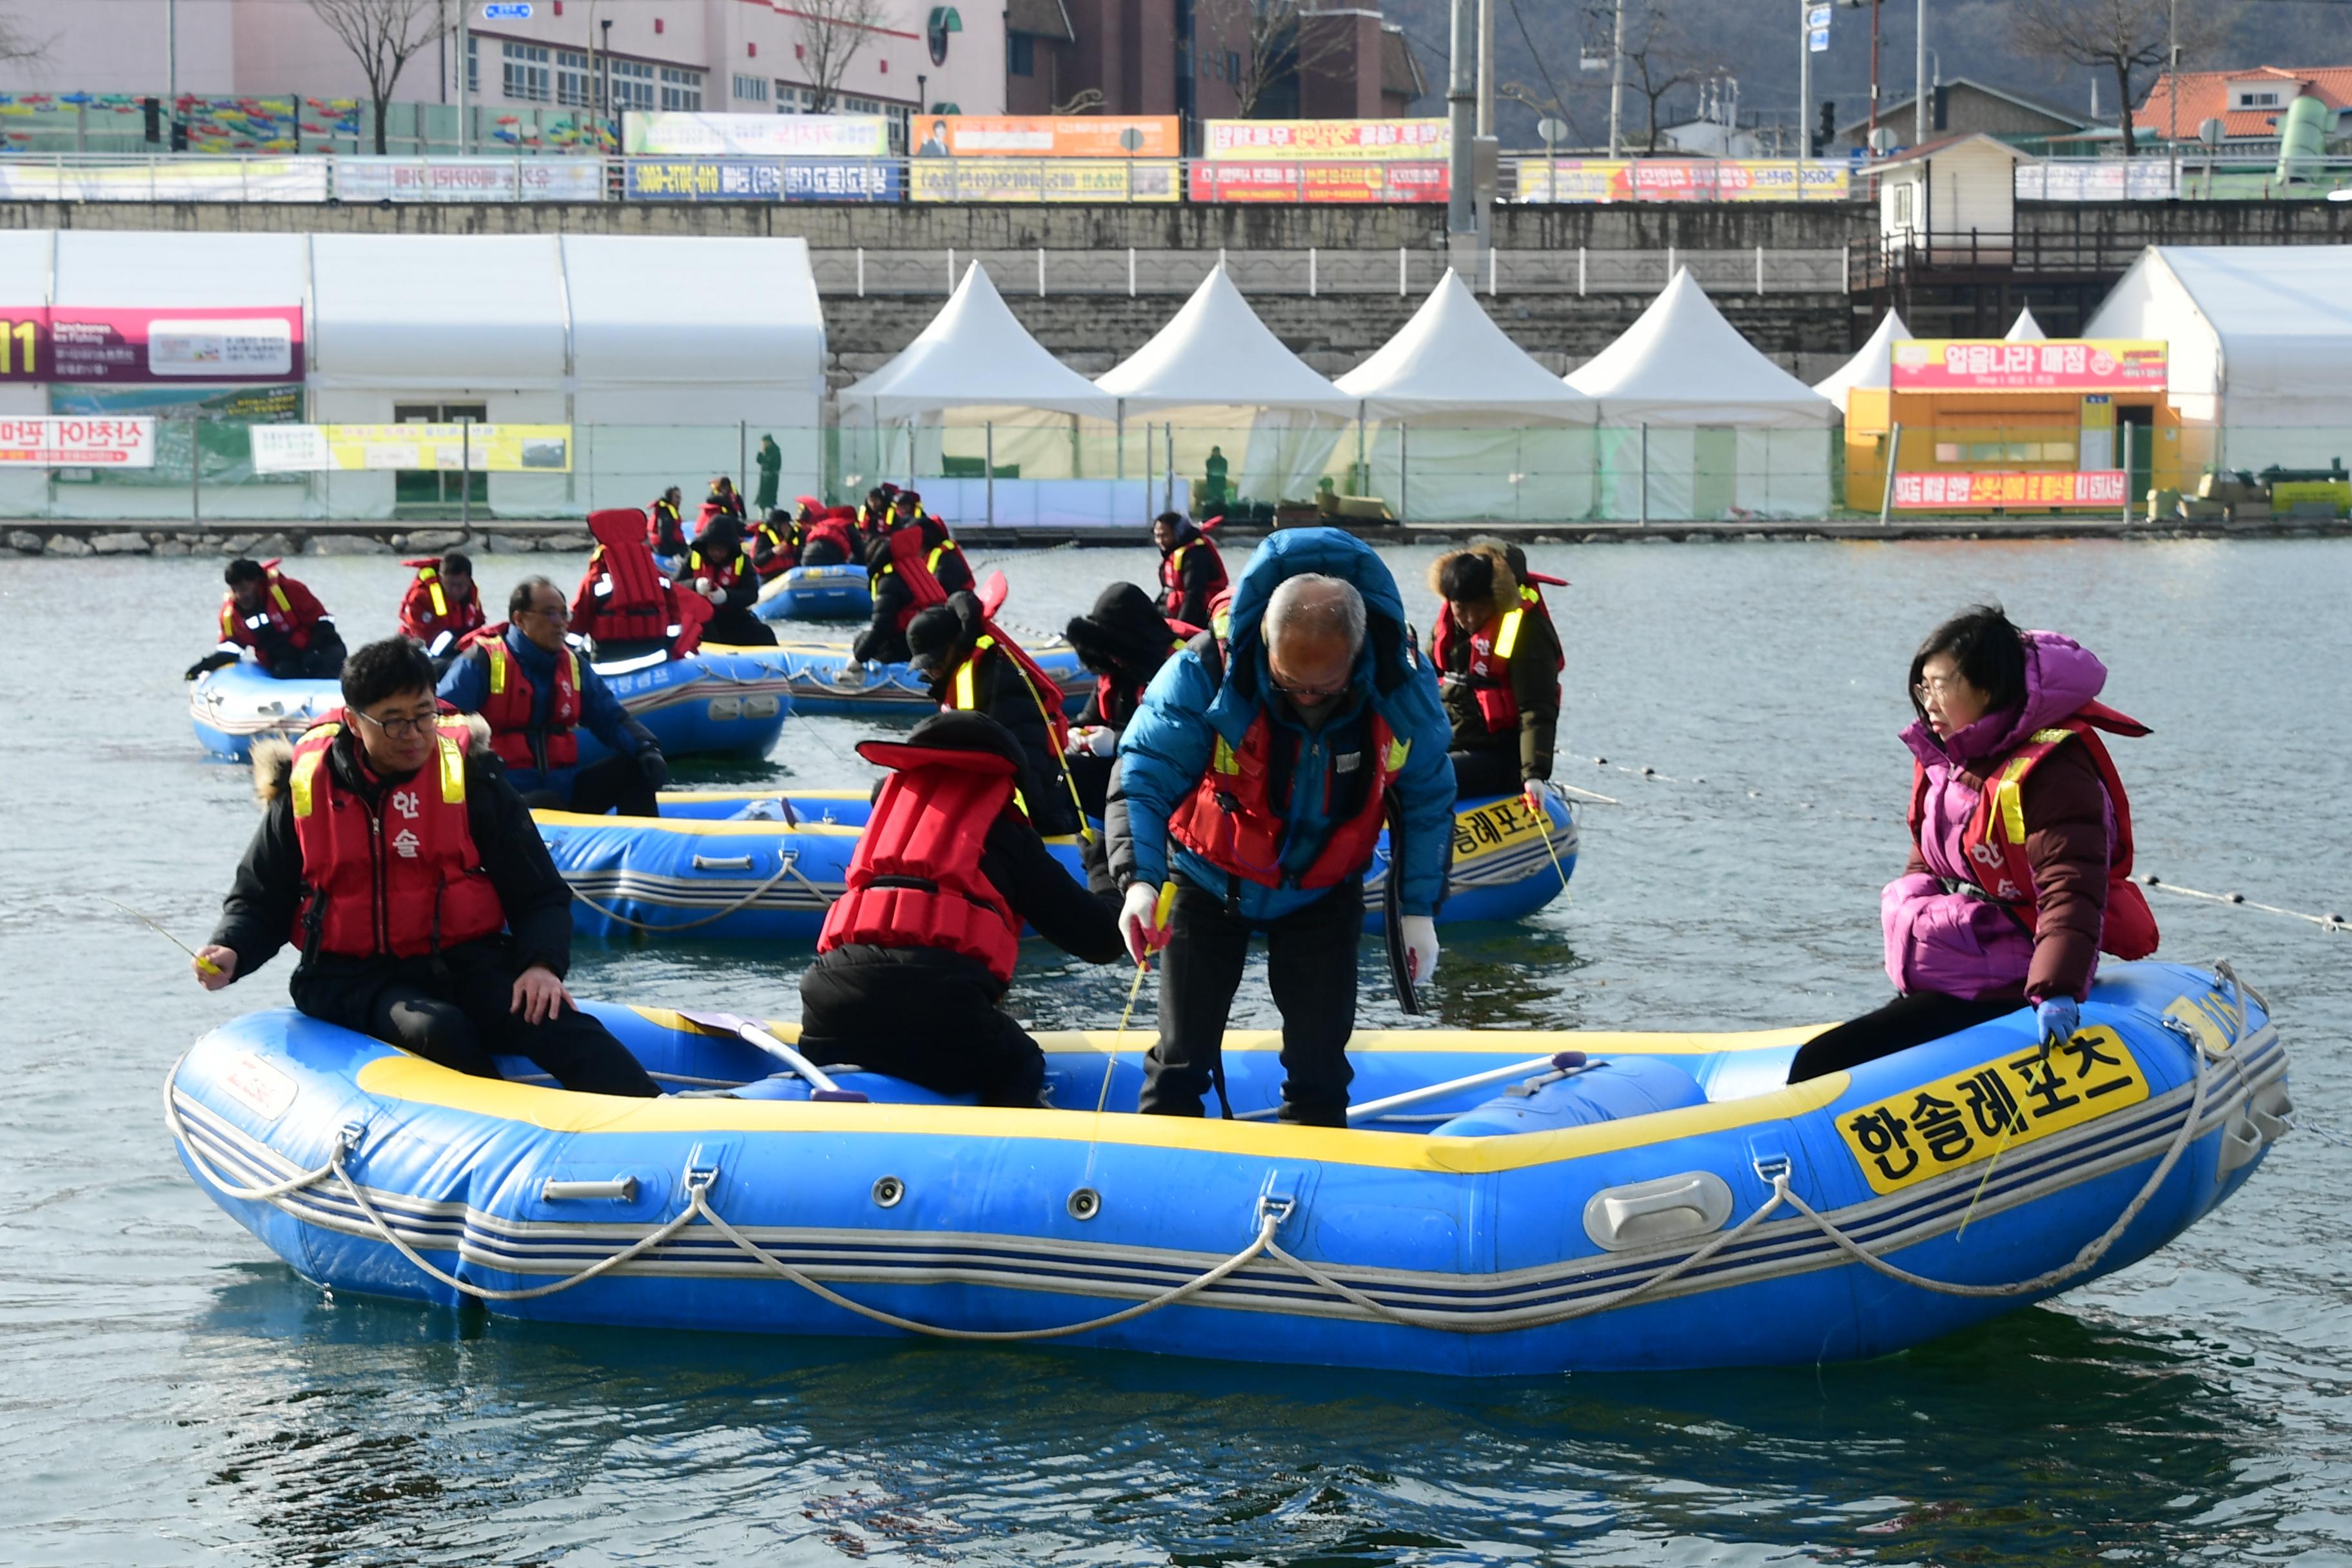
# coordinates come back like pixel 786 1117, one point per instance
pixel 2021 844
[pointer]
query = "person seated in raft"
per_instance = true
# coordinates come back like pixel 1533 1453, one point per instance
pixel 973 667
pixel 534 691
pixel 288 632
pixel 1191 571
pixel 455 944
pixel 874 516
pixel 831 538
pixel 1123 641
pixel 1498 667
pixel 666 527
pixel 442 606
pixel 2021 844
pixel 626 605
pixel 724 500
pixel 917 952
pixel 776 542
pixel 719 568
pixel 912 568
pixel 1257 778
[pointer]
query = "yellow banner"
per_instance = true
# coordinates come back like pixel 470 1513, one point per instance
pixel 1958 1120
pixel 486 449
pixel 1050 136
pixel 1040 180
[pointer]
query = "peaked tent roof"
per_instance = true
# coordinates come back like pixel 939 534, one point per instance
pixel 975 353
pixel 2267 328
pixel 1683 365
pixel 1873 364
pixel 1452 359
pixel 2025 329
pixel 1216 353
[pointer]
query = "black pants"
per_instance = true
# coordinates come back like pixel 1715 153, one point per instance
pixel 615 785
pixel 1091 774
pixel 322 660
pixel 456 1010
pixel 1911 1019
pixel 823 553
pixel 739 628
pixel 921 1013
pixel 1311 964
pixel 1486 771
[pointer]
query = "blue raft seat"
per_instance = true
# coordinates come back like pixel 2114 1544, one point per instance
pixel 1611 1090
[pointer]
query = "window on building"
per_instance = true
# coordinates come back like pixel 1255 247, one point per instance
pixel 680 88
pixel 1232 65
pixel 751 90
pixel 528 80
pixel 572 79
pixel 633 84
pixel 473 65
pixel 787 98
pixel 1021 54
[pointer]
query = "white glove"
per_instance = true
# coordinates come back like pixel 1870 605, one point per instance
pixel 1103 741
pixel 1420 948
pixel 1136 920
pixel 1532 795
pixel 1081 739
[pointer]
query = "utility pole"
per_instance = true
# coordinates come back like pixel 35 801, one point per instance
pixel 465 69
pixel 1804 87
pixel 1919 82
pixel 172 56
pixel 1876 7
pixel 1485 67
pixel 1617 87
pixel 1461 106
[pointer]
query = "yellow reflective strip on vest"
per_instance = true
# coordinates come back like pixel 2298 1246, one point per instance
pixel 2048 737
pixel 1398 751
pixel 453 773
pixel 440 602
pixel 1507 635
pixel 963 696
pixel 305 769
pixel 1225 762
pixel 932 560
pixel 1527 595
pixel 278 594
pixel 2011 799
pixel 573 655
pixel 497 668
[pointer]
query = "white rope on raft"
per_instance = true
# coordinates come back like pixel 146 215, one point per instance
pixel 2328 921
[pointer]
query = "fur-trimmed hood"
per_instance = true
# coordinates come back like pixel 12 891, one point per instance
pixel 1506 595
pixel 273 757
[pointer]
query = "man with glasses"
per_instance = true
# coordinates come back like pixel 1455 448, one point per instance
pixel 536 693
pixel 397 858
pixel 1256 777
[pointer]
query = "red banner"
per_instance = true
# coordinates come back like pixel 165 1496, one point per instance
pixel 1363 182
pixel 2058 364
pixel 243 345
pixel 2099 486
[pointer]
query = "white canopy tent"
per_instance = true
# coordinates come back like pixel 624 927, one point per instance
pixel 1697 423
pixel 2025 329
pixel 1217 365
pixel 2259 366
pixel 1465 414
pixel 1873 364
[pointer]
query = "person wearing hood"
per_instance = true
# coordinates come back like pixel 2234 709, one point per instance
pixel 915 954
pixel 1256 777
pixel 455 946
pixel 1122 641
pixel 777 542
pixel 626 605
pixel 442 606
pixel 1498 664
pixel 720 569
pixel 912 568
pixel 771 464
pixel 724 500
pixel 2020 863
pixel 536 693
pixel 1191 572
pixel 281 623
pixel 974 669
pixel 666 526
pixel 831 537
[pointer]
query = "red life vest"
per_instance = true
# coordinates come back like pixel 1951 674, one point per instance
pixel 1486 669
pixel 1231 820
pixel 963 695
pixel 292 617
pixel 915 880
pixel 625 596
pixel 666 529
pixel 832 526
pixel 783 542
pixel 916 568
pixel 1994 839
pixel 405 880
pixel 1172 573
pixel 1108 689
pixel 723 573
pixel 426 611
pixel 507 709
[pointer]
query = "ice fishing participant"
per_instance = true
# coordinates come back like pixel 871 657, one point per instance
pixel 1498 666
pixel 915 954
pixel 535 692
pixel 627 606
pixel 2020 863
pixel 442 604
pixel 831 538
pixel 776 543
pixel 724 500
pixel 973 667
pixel 1123 641
pixel 874 516
pixel 911 568
pixel 291 635
pixel 1191 572
pixel 720 569
pixel 396 855
pixel 1257 776
pixel 666 533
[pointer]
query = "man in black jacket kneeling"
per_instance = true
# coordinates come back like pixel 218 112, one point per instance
pixel 406 870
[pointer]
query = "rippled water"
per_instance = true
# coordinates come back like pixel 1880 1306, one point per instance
pixel 173 1394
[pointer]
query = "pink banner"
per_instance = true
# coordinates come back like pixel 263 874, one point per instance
pixel 46 441
pixel 1362 182
pixel 2098 487
pixel 2068 365
pixel 241 345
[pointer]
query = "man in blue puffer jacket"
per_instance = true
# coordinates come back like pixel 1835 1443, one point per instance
pixel 1256 777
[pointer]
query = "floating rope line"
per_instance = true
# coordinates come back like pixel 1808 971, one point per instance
pixel 2328 921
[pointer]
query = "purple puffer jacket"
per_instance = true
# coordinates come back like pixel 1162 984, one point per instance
pixel 1965 945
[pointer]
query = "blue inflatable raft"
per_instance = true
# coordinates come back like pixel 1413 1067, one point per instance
pixel 732 864
pixel 817 593
pixel 824 679
pixel 707 703
pixel 1504 1204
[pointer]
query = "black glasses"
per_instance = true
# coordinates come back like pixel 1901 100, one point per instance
pixel 1312 693
pixel 400 729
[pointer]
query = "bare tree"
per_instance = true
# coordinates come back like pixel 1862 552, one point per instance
pixel 1276 42
pixel 831 33
pixel 1661 56
pixel 2124 36
pixel 383 36
pixel 19 45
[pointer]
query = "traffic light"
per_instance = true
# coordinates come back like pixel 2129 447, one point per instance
pixel 179 136
pixel 1828 132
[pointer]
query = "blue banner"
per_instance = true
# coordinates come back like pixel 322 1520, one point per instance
pixel 763 180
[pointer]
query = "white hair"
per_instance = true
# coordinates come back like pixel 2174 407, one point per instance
pixel 1318 606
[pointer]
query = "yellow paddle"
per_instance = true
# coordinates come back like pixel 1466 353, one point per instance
pixel 1158 922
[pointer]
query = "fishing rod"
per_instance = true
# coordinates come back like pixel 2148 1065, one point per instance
pixel 203 963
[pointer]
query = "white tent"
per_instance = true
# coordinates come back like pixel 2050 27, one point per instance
pixel 1481 426
pixel 2261 348
pixel 2025 329
pixel 1873 364
pixel 1233 379
pixel 1697 423
pixel 974 353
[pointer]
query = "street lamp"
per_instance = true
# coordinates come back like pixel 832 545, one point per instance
pixel 607 25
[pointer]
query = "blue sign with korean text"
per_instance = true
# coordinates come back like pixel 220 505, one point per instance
pixel 506 11
pixel 762 180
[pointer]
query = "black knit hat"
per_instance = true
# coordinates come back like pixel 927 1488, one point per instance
pixel 959 731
